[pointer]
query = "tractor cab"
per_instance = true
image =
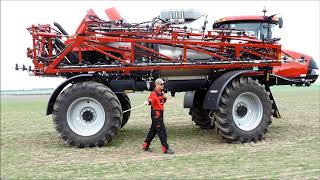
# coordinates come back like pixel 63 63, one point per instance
pixel 260 27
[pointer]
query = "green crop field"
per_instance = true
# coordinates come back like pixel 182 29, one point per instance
pixel 31 148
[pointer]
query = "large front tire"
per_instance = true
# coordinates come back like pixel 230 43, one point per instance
pixel 245 111
pixel 87 114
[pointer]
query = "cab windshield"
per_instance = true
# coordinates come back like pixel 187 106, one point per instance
pixel 256 29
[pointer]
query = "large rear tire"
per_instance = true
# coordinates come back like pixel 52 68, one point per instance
pixel 87 114
pixel 125 104
pixel 245 111
pixel 199 115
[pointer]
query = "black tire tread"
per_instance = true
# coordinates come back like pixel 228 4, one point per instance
pixel 125 105
pixel 201 118
pixel 199 115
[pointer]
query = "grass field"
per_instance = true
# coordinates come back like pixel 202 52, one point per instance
pixel 30 147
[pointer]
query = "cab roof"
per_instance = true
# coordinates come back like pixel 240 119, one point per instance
pixel 244 18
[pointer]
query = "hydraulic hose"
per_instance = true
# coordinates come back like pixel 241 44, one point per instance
pixel 64 32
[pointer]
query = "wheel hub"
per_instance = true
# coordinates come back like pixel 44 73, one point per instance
pixel 241 110
pixel 88 115
pixel 247 111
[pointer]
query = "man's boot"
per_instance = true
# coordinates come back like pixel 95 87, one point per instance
pixel 146 147
pixel 167 150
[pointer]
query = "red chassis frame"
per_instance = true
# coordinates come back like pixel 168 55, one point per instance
pixel 87 39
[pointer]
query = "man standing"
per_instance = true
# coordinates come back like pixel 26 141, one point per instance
pixel 157 100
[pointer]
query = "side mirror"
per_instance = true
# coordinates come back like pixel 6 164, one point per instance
pixel 280 22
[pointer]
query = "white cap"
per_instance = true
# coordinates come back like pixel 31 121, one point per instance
pixel 159 81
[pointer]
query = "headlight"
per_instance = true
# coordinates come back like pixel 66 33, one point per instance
pixel 313 64
pixel 315 72
pixel 313 67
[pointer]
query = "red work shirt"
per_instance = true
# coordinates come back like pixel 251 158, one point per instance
pixel 157 100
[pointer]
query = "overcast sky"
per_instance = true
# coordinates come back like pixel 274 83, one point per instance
pixel 300 32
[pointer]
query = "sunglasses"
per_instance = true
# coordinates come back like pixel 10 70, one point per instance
pixel 161 84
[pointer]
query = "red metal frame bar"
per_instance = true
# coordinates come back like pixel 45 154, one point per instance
pixel 206 52
pixel 105 53
pixel 154 52
pixel 146 68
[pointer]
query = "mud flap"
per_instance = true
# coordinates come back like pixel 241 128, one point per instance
pixel 276 112
pixel 213 96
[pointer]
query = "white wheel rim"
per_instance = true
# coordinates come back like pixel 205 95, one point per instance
pixel 247 111
pixel 86 116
